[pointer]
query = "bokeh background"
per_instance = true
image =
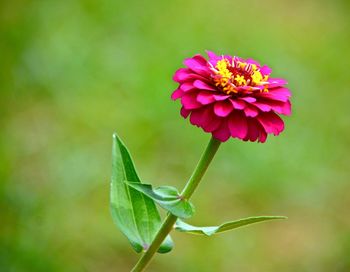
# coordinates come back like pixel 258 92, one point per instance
pixel 73 72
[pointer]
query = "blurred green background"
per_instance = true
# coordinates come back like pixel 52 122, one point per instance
pixel 73 72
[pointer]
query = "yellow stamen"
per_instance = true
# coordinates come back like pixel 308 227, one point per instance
pixel 257 77
pixel 230 76
pixel 240 80
pixel 224 76
pixel 222 68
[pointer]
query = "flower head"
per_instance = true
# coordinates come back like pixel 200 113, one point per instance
pixel 232 97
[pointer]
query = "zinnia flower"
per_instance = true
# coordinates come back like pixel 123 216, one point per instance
pixel 232 97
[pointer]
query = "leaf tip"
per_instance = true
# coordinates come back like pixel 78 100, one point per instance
pixel 282 217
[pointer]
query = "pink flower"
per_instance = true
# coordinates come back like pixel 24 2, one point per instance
pixel 232 97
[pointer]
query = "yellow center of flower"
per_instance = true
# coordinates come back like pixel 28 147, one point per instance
pixel 229 76
pixel 240 80
pixel 222 65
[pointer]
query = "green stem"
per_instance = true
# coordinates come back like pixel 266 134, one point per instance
pixel 187 192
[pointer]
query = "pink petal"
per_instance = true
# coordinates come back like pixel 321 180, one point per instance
pixel 248 99
pixel 189 101
pixel 287 108
pixel 277 97
pixel 200 59
pixel 197 67
pixel 211 55
pixel 202 85
pixel 205 98
pixel 223 108
pixel 265 70
pixel 184 74
pixel 190 62
pixel 213 58
pixel 177 94
pixel 210 121
pixel 247 89
pixel 184 113
pixel 281 107
pixel 281 91
pixel 271 122
pixel 253 130
pixel 196 117
pixel 180 74
pixel 251 111
pixel 262 106
pixel 212 125
pixel 222 133
pixel 187 86
pixel 263 134
pixel 276 82
pixel 219 97
pixel 238 104
pixel 279 94
pixel 237 124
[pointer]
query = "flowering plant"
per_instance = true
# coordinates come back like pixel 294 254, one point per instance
pixel 225 96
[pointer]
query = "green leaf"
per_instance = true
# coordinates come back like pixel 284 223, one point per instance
pixel 135 214
pixel 167 197
pixel 208 231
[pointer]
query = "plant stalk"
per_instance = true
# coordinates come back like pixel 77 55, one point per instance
pixel 187 192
